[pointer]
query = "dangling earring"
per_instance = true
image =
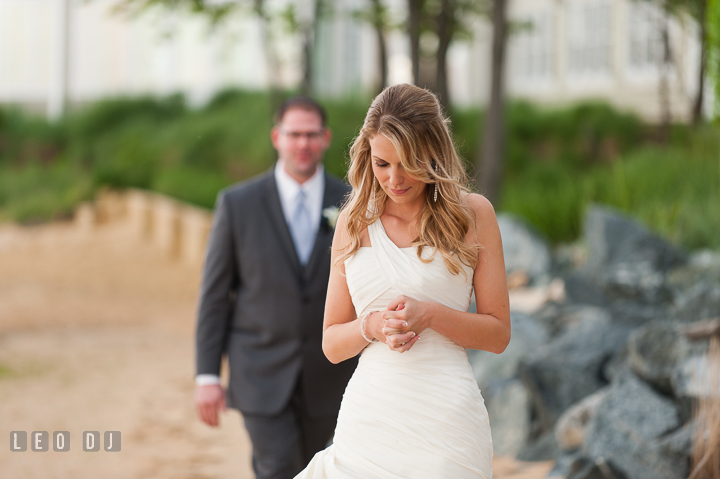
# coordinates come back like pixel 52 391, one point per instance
pixel 434 167
pixel 374 204
pixel 435 195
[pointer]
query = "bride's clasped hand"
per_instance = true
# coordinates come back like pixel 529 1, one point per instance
pixel 404 321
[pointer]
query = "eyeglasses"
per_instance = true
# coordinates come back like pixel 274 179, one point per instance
pixel 297 135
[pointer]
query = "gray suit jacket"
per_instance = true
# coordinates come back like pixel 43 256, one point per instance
pixel 263 309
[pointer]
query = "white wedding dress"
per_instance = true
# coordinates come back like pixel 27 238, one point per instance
pixel 418 414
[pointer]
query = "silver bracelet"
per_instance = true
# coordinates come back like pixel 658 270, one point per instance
pixel 362 327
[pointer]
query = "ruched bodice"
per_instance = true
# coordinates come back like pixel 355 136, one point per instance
pixel 416 414
pixel 374 270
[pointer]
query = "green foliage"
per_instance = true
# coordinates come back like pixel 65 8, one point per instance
pixel 548 196
pixel 557 161
pixel 109 114
pixel 25 139
pixel 199 187
pixel 345 119
pixel 129 157
pixel 577 136
pixel 673 190
pixel 40 192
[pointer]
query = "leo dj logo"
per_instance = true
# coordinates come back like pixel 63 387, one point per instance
pixel 40 441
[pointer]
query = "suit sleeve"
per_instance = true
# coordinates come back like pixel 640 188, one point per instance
pixel 219 283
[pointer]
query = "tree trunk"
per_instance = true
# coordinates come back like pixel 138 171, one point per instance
pixel 444 25
pixel 308 51
pixel 490 161
pixel 413 28
pixel 697 106
pixel 664 83
pixel 306 83
pixel 379 24
pixel 271 59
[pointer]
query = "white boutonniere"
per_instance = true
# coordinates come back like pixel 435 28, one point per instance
pixel 330 215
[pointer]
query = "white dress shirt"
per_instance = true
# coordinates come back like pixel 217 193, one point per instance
pixel 288 189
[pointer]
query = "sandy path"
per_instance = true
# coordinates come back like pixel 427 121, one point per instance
pixel 96 335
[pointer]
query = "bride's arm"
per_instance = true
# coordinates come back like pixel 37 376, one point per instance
pixel 489 328
pixel 341 328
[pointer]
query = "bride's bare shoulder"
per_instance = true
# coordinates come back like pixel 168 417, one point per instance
pixel 484 218
pixel 481 206
pixel 342 234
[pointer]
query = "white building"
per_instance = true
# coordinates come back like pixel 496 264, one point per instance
pixel 569 50
pixel 607 49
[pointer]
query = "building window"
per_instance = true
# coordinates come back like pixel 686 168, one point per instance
pixel 645 48
pixel 588 37
pixel 532 46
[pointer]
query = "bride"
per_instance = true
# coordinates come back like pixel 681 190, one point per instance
pixel 410 247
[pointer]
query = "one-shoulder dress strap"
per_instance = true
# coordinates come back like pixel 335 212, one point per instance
pixel 397 262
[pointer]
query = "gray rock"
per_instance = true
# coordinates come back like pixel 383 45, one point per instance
pixel 706 260
pixel 509 411
pixel 678 443
pixel 568 257
pixel 581 288
pixel 636 280
pixel 561 317
pixel 527 336
pixel 702 267
pixel 569 368
pixel 584 468
pixel 626 259
pixel 543 448
pixel 626 428
pixel 655 350
pixel 571 427
pixel 636 314
pixel 555 316
pixel 690 378
pixel 616 365
pixel 565 462
pixel 700 302
pixel 524 249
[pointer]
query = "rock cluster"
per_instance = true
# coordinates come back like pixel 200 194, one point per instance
pixel 603 382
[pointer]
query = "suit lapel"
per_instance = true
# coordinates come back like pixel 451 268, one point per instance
pixel 331 196
pixel 277 219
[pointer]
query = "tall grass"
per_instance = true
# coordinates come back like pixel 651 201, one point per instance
pixel 675 190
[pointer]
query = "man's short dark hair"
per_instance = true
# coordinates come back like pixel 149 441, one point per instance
pixel 302 103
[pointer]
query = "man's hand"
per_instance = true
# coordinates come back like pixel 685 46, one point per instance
pixel 209 400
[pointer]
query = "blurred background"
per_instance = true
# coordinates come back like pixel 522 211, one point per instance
pixel 120 120
pixel 176 96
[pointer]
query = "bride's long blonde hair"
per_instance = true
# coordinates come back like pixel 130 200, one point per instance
pixel 412 119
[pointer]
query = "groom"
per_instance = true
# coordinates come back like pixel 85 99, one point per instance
pixel 262 300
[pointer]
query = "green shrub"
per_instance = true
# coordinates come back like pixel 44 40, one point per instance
pixel 199 187
pixel 674 190
pixel 26 139
pixel 550 197
pixel 557 160
pixel 42 192
pixel 577 136
pixel 128 158
pixel 109 114
pixel 345 119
